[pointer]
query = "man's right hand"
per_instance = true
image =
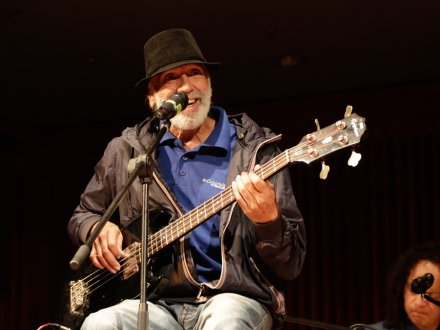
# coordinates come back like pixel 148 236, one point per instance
pixel 107 248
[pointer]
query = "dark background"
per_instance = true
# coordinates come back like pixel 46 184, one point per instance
pixel 67 79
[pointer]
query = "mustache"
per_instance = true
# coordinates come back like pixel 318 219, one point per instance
pixel 191 95
pixel 195 95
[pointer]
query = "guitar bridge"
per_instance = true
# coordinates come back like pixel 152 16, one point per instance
pixel 79 298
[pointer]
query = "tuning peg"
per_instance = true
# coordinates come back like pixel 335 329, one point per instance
pixel 348 111
pixel 354 158
pixel 324 171
pixel 317 124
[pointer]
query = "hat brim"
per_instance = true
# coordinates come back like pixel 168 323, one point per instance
pixel 143 83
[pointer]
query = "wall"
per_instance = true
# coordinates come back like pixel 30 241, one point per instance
pixel 358 221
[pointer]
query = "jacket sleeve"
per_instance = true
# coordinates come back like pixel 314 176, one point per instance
pixel 281 244
pixel 97 196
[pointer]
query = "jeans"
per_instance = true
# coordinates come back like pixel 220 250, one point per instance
pixel 223 311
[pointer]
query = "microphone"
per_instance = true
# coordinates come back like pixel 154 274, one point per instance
pixel 175 104
pixel 422 283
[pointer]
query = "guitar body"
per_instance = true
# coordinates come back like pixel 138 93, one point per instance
pixel 89 289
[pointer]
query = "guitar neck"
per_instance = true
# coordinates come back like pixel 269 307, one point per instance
pixel 312 147
pixel 203 212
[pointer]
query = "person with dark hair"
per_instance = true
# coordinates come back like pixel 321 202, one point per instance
pixel 414 290
pixel 226 272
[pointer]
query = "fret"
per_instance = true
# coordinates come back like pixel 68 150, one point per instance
pixel 157 241
pixel 287 154
pixel 215 205
pixel 178 228
pixel 163 237
pixel 174 229
pixel 150 243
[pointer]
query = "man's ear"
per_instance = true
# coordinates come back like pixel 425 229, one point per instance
pixel 149 100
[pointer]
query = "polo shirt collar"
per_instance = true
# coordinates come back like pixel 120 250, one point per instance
pixel 215 139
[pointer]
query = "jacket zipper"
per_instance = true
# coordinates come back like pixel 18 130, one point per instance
pixel 200 291
pixel 280 299
pixel 254 158
pixel 222 274
pixel 182 243
pixel 165 191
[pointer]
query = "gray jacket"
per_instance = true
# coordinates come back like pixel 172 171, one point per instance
pixel 403 326
pixel 254 257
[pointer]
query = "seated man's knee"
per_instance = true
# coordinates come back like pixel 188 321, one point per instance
pixel 233 311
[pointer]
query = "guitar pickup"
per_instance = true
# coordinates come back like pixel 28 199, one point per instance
pixel 132 260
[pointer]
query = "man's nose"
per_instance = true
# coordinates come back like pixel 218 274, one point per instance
pixel 185 85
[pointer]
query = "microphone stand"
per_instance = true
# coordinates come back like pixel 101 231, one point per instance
pixel 426 296
pixel 141 169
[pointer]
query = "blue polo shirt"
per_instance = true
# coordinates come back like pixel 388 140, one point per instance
pixel 195 176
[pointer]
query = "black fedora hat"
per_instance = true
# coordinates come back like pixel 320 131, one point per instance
pixel 169 49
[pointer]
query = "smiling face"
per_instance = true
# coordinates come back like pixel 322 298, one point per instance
pixel 191 79
pixel 422 313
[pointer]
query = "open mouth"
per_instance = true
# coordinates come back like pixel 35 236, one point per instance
pixel 192 101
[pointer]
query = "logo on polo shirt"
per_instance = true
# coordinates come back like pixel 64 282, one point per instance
pixel 218 185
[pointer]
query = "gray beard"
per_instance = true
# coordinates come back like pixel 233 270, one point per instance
pixel 189 120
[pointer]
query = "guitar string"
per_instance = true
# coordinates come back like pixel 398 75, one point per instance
pixel 179 227
pixel 156 242
pixel 164 232
pixel 96 278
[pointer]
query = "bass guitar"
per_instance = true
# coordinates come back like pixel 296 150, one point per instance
pixel 89 289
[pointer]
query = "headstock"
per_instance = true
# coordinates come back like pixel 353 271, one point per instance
pixel 344 133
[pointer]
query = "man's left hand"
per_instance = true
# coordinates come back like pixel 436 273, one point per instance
pixel 256 197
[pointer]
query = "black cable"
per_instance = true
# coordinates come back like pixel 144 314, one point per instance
pixel 360 325
pixel 312 323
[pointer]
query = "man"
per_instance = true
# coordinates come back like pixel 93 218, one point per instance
pixel 223 273
pixel 407 308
